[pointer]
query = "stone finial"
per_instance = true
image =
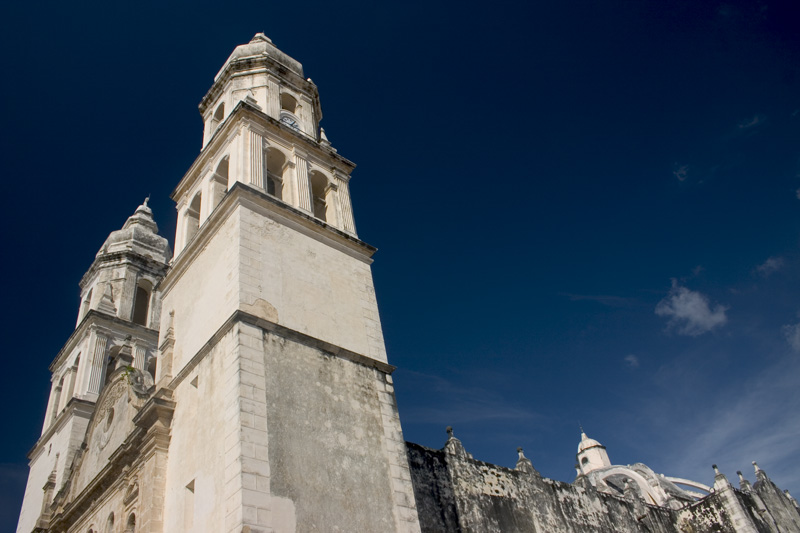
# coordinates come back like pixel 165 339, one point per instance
pixel 453 445
pixel 720 481
pixel 147 199
pixel 744 485
pixel 106 304
pixel 761 476
pixel 323 139
pixel 260 37
pixel 524 464
pixel 251 100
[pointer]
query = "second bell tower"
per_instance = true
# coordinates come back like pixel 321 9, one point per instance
pixel 271 344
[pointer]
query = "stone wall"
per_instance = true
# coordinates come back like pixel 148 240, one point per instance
pixel 456 493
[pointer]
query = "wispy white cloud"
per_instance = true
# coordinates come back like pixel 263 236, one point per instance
pixel 689 312
pixel 770 266
pixel 680 171
pixel 632 361
pixel 792 334
pixel 797 193
pixel 758 421
pixel 757 120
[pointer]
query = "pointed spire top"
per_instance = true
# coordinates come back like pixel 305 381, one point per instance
pixel 449 430
pixel 716 470
pixel 260 37
pixel 587 442
pixel 755 465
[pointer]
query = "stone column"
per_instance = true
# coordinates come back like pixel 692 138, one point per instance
pixel 301 180
pixel 273 98
pixel 73 377
pixel 333 214
pixel 139 356
pixel 346 222
pixel 257 160
pixel 98 364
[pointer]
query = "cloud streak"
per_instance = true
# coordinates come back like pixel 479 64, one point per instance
pixel 792 334
pixel 681 172
pixel 689 312
pixel 461 405
pixel 632 361
pixel 770 266
pixel 759 420
pixel 757 120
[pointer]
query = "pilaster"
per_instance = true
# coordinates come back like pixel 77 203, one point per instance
pixel 301 179
pixel 405 509
pixel 247 474
pixel 156 418
pixel 273 97
pixel 257 160
pixel 97 365
pixel 347 223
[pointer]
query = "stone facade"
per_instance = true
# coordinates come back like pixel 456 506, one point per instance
pixel 243 385
pixel 456 493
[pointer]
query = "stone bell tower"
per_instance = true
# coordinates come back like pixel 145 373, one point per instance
pixel 117 316
pixel 270 341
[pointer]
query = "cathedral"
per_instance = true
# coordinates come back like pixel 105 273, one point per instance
pixel 242 384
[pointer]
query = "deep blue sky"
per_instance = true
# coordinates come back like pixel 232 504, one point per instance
pixel 585 211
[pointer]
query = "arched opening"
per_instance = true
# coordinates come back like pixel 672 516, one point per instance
pixel 288 103
pixel 216 120
pixel 276 162
pixel 192 217
pixel 110 523
pixel 87 302
pixel 219 182
pixel 319 191
pixel 130 527
pixel 289 109
pixel 152 366
pixel 56 399
pixel 73 377
pixel 111 363
pixel 141 303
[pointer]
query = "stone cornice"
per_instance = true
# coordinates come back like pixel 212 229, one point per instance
pixel 157 268
pixel 254 65
pixel 290 334
pixel 75 407
pixel 99 319
pixel 269 206
pixel 245 112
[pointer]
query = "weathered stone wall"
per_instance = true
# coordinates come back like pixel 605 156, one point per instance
pixel 336 463
pixel 456 493
pixel 197 445
pixel 297 277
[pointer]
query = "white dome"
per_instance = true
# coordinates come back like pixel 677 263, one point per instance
pixel 587 443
